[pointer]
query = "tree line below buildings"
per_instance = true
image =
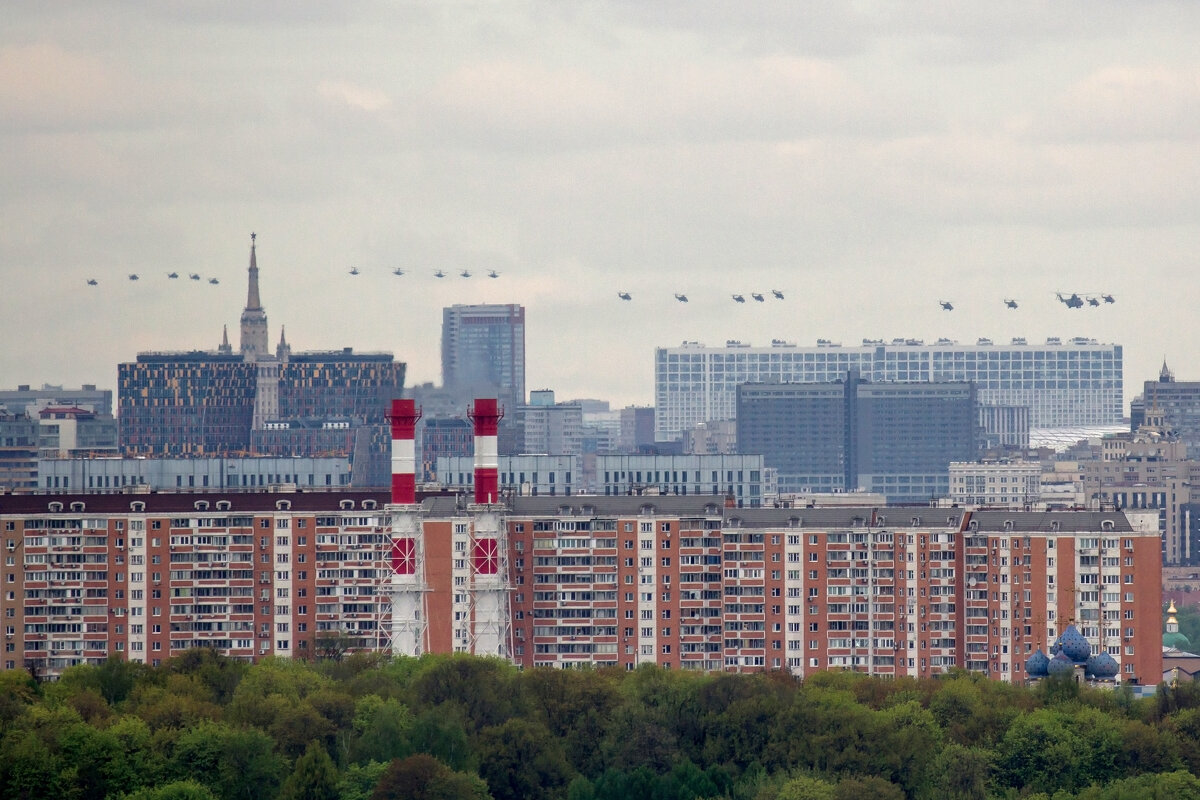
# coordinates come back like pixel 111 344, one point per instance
pixel 202 726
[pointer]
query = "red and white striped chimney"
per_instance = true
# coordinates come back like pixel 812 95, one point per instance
pixel 486 415
pixel 403 416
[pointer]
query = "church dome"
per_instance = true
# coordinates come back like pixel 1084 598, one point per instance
pixel 1073 645
pixel 1037 664
pixel 1173 636
pixel 1102 665
pixel 1061 665
pixel 1177 640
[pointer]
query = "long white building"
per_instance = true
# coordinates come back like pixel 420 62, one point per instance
pixel 1072 382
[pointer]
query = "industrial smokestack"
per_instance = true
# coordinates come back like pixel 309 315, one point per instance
pixel 486 415
pixel 403 416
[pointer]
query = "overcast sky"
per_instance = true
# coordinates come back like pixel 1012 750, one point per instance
pixel 867 159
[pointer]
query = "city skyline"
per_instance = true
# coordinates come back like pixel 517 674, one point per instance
pixel 866 162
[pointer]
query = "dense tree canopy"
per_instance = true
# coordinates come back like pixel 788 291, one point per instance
pixel 202 727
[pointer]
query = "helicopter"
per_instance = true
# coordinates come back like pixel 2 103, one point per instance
pixel 758 298
pixel 737 298
pixel 172 275
pixel 1010 303
pixel 1074 301
pixel 213 281
pixel 354 271
pixel 194 276
pixel 439 274
pixel 493 274
pixel 624 295
pixel 1108 298
pixel 681 298
pixel 133 276
pixel 466 273
pixel 778 294
pixel 1094 302
pixel 91 282
pixel 397 272
pixel 946 305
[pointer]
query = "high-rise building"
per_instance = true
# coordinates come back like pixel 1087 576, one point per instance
pixel 88 397
pixel 897 439
pixel 483 352
pixel 637 429
pixel 313 403
pixel 443 437
pixel 173 404
pixel 1176 404
pixel 1077 382
pixel 551 428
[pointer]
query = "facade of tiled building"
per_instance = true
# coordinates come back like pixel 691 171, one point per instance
pixel 585 580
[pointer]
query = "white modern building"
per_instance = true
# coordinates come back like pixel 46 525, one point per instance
pixel 215 473
pixel 1062 382
pixel 1015 484
pixel 530 475
pixel 741 477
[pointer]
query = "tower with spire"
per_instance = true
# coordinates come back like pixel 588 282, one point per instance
pixel 254 318
pixel 283 350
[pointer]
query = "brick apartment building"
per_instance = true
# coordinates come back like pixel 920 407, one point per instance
pixel 581 580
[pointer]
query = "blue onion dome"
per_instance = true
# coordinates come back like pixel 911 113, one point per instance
pixel 1102 665
pixel 1074 645
pixel 1036 664
pixel 1060 665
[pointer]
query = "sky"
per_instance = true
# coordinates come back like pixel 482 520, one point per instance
pixel 867 159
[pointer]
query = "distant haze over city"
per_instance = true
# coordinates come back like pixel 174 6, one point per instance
pixel 867 160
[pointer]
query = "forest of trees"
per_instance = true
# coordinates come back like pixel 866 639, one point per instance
pixel 446 727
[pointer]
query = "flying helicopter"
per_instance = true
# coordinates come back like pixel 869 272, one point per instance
pixel 466 273
pixel 737 298
pixel 681 298
pixel 194 276
pixel 493 274
pixel 946 305
pixel 397 272
pixel 213 281
pixel 133 276
pixel 778 294
pixel 439 274
pixel 1010 303
pixel 1094 302
pixel 1108 298
pixel 172 275
pixel 624 295
pixel 758 298
pixel 1074 301
pixel 354 271
pixel 92 282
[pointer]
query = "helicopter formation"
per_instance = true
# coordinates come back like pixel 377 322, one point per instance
pixel 174 276
pixel 400 272
pixel 1073 300
pixel 757 297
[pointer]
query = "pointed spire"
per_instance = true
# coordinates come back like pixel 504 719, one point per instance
pixel 252 299
pixel 254 318
pixel 283 336
pixel 1164 375
pixel 224 348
